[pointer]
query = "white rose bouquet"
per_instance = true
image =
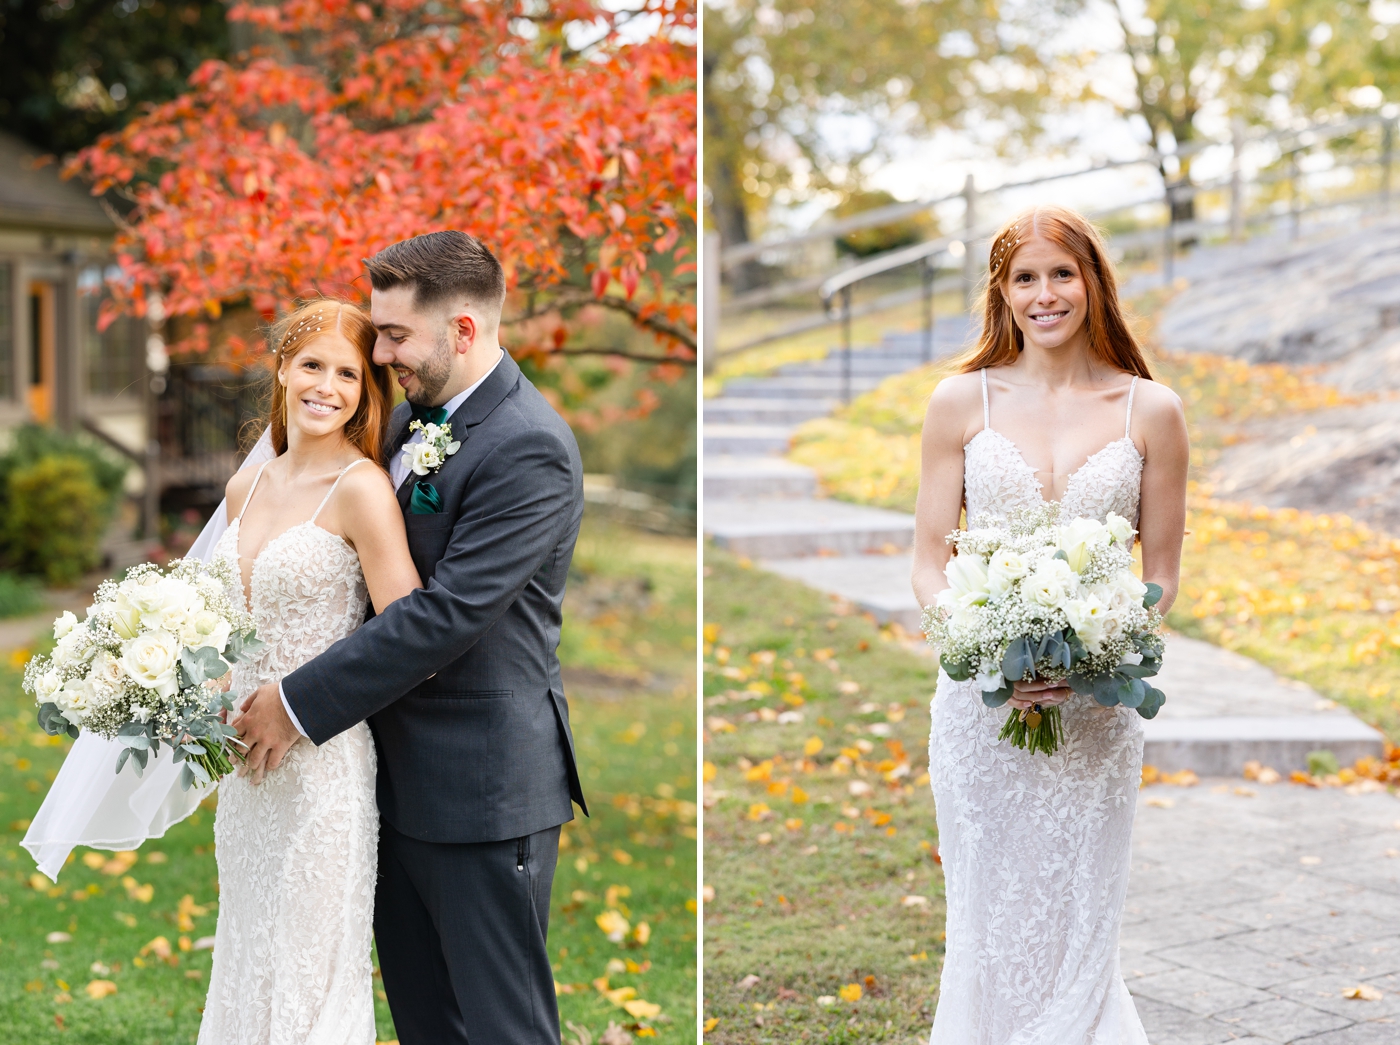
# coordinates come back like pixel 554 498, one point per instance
pixel 1034 599
pixel 145 664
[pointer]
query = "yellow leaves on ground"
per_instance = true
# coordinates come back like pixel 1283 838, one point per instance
pixel 160 947
pixel 614 926
pixel 1182 778
pixel 136 891
pixel 851 992
pixel 1362 992
pixel 129 920
pixel 38 882
pixel 812 746
pixel 708 772
pixel 119 863
pixel 711 1024
pixel 642 1010
pixel 187 912
pixel 99 989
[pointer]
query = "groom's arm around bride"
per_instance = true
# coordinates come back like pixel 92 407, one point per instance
pixel 459 680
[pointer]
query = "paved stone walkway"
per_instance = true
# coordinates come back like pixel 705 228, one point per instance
pixel 1252 908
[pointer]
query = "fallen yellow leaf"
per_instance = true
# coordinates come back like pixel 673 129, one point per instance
pixel 850 992
pixel 812 746
pixel 711 1024
pixel 642 1010
pixel 1363 992
pixel 708 772
pixel 98 989
pixel 614 926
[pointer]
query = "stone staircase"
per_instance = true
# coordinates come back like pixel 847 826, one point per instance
pixel 1223 709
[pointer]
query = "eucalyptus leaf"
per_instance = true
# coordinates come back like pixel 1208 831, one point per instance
pixel 1081 684
pixel 1019 661
pixel 1060 553
pixel 51 720
pixel 121 758
pixel 1154 594
pixel 958 671
pixel 186 777
pixel 1132 694
pixel 1106 690
pixel 995 698
pixel 140 743
pixel 1137 671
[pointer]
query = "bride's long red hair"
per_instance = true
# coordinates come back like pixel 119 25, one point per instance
pixel 1111 339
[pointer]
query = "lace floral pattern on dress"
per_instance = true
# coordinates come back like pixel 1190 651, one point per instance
pixel 297 853
pixel 1036 848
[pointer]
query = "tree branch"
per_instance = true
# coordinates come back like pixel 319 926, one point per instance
pixel 575 297
pixel 639 357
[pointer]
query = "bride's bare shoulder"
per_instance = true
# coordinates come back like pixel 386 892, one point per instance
pixel 955 403
pixel 1156 405
pixel 367 487
pixel 236 490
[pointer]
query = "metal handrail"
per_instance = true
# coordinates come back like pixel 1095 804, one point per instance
pixel 1324 131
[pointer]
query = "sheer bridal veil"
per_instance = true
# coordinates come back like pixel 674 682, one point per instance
pixel 91 805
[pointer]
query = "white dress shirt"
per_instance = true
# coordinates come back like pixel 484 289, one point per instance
pixel 398 472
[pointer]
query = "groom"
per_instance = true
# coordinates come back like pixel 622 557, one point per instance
pixel 459 680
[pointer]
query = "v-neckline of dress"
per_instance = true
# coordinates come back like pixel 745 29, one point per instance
pixel 1040 486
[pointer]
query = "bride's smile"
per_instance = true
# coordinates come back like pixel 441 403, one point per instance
pixel 1047 294
pixel 325 380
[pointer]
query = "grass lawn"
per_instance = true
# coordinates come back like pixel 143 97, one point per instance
pixel 819 828
pixel 629 617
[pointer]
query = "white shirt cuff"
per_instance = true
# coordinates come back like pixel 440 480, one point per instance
pixel 290 713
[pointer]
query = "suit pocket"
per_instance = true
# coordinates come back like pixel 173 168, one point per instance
pixel 427 540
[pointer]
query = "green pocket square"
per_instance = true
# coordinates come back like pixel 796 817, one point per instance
pixel 425 500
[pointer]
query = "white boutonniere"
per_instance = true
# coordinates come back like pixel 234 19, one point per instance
pixel 432 451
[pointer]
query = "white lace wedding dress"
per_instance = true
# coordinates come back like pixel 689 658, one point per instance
pixel 1035 848
pixel 296 853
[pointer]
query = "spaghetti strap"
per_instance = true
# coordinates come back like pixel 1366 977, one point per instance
pixel 986 406
pixel 256 479
pixel 1128 424
pixel 326 498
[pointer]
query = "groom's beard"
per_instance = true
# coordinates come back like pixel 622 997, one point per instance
pixel 433 374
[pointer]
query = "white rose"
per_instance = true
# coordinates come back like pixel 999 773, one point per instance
pixel 967 580
pixel 1131 657
pixel 47 685
pixel 424 458
pixel 75 700
pixel 108 668
pixel 1077 540
pixel 65 623
pixel 216 638
pixel 151 660
pixel 1005 569
pixel 1128 583
pixel 1052 584
pixel 1119 528
pixel 1089 618
pixel 74 649
pixel 168 604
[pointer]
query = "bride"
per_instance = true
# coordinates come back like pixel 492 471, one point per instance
pixel 1056 402
pixel 314 534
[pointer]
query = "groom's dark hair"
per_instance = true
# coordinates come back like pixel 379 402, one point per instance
pixel 439 266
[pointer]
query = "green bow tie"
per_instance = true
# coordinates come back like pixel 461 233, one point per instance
pixel 434 415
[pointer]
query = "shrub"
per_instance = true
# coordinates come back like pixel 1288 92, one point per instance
pixel 57 493
pixel 19 596
pixel 54 517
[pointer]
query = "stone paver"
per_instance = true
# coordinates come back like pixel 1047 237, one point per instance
pixel 1231 935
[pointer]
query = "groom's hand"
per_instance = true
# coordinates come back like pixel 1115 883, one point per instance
pixel 265 728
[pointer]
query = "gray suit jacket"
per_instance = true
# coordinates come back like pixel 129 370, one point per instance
pixel 460 680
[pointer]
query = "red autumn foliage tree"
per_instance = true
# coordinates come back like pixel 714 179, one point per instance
pixel 554 130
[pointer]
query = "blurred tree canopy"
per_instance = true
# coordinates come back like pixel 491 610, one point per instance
pixel 71 70
pixel 1266 63
pixel 800 94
